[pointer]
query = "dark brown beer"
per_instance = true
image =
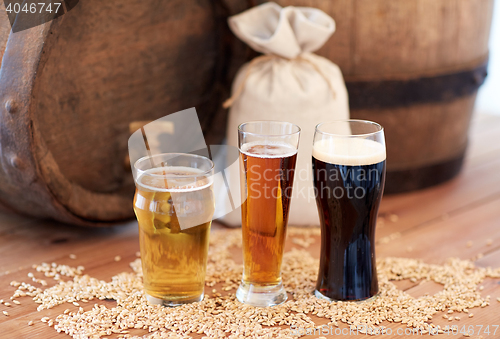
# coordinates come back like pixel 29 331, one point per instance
pixel 267 189
pixel 349 180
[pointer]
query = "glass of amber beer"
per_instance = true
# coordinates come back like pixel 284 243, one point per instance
pixel 174 205
pixel 268 152
pixel 349 174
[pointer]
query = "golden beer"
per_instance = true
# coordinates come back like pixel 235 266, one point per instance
pixel 268 152
pixel 268 170
pixel 174 210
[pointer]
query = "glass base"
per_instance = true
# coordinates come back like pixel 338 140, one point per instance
pixel 261 296
pixel 172 303
pixel 319 295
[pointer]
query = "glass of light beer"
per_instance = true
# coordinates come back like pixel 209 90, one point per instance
pixel 349 173
pixel 268 152
pixel 174 205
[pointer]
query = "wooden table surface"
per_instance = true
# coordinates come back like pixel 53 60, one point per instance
pixel 460 218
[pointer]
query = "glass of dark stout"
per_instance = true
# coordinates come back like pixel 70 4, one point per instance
pixel 349 174
pixel 268 152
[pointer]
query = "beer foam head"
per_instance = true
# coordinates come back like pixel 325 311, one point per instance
pixel 268 150
pixel 349 151
pixel 173 179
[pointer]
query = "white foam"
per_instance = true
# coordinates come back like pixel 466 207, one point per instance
pixel 154 179
pixel 349 151
pixel 280 150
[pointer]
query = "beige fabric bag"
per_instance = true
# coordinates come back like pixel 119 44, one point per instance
pixel 289 83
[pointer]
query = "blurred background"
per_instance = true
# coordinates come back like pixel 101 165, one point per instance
pixel 488 100
pixel 74 89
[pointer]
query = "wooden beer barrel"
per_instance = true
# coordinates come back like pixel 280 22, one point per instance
pixel 69 89
pixel 414 67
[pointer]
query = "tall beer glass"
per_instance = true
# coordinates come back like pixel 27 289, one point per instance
pixel 349 174
pixel 174 205
pixel 268 152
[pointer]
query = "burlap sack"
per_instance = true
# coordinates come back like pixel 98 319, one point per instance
pixel 288 83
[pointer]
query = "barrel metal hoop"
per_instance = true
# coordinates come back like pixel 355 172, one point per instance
pixel 400 93
pixel 406 180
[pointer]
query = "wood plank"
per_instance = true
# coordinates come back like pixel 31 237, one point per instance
pixel 472 186
pixel 10 221
pixel 339 48
pixel 422 145
pixel 436 223
pixel 95 249
pixel 477 183
pixel 481 315
pixel 52 242
pixel 432 36
pixel 98 262
pixel 380 24
pixel 475 22
pixel 491 259
pixel 463 235
pixel 4 31
pixel 118 79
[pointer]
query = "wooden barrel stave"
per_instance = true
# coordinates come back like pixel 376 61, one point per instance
pixel 389 51
pixel 76 83
pixel 81 72
pixel 389 39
